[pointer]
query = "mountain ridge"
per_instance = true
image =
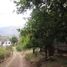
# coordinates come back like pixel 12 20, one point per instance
pixel 9 31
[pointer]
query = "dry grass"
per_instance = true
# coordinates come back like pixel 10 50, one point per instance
pixel 59 62
pixel 37 59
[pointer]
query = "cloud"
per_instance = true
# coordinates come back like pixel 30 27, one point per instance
pixel 7 17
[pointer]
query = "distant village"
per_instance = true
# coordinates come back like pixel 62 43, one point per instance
pixel 5 41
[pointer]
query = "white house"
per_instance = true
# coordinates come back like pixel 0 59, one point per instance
pixel 0 43
pixel 6 43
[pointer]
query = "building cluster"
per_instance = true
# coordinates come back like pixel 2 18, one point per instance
pixel 5 41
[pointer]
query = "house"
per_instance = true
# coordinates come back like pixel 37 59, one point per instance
pixel 4 41
pixel 0 43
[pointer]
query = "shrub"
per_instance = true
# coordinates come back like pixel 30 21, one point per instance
pixel 19 47
pixel 4 53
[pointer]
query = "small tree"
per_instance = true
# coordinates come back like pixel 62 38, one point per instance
pixel 14 40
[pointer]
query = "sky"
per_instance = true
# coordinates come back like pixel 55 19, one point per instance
pixel 10 18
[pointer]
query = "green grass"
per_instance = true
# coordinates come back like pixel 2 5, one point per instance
pixel 19 47
pixel 4 53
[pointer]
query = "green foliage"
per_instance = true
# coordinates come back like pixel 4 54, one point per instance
pixel 14 40
pixel 4 53
pixel 24 40
pixel 19 47
pixel 48 23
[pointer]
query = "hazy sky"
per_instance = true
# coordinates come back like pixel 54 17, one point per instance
pixel 8 17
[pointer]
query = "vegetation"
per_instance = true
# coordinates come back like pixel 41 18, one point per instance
pixel 38 60
pixel 4 53
pixel 14 40
pixel 33 57
pixel 47 25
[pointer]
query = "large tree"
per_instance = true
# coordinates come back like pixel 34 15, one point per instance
pixel 47 23
pixel 56 8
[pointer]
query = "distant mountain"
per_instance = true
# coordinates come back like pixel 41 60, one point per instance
pixel 9 31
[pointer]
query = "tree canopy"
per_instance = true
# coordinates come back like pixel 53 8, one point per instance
pixel 14 40
pixel 48 21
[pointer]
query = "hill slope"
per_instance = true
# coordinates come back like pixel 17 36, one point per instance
pixel 9 31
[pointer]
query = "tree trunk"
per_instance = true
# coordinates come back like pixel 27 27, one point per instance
pixel 46 53
pixel 51 50
pixel 33 50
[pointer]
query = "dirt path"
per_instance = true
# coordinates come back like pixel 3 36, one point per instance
pixel 17 60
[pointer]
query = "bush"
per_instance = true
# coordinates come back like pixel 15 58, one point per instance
pixel 19 47
pixel 4 53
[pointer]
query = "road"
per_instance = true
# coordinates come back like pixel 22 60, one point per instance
pixel 17 60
